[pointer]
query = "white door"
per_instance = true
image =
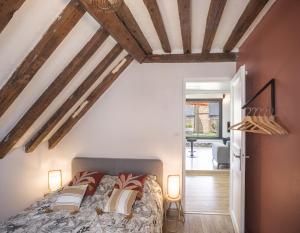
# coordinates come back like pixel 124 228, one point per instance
pixel 237 152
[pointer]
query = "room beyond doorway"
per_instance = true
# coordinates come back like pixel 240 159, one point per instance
pixel 207 117
pixel 207 147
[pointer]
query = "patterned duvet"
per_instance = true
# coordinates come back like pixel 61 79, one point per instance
pixel 147 214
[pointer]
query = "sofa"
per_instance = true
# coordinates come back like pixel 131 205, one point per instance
pixel 221 153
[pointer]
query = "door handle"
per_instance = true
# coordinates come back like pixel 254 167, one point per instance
pixel 236 156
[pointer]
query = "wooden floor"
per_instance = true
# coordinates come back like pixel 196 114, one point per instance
pixel 196 223
pixel 207 193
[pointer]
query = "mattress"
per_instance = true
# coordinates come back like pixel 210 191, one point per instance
pixel 147 214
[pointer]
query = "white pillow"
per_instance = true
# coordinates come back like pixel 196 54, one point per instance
pixel 121 201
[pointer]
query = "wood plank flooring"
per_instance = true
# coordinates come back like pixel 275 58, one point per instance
pixel 207 193
pixel 196 223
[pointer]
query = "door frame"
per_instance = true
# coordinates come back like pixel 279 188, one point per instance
pixel 185 80
pixel 242 69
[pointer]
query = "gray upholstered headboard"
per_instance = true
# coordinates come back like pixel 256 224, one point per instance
pixel 113 166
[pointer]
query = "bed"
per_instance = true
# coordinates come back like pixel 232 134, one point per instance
pixel 147 213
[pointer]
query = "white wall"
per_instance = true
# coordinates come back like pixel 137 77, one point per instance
pixel 140 116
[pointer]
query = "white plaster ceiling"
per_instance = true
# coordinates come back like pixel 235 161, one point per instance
pixel 34 17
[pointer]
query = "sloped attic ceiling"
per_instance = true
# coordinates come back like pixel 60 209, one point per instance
pixel 24 26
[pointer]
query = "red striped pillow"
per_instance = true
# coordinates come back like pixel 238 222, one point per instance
pixel 131 181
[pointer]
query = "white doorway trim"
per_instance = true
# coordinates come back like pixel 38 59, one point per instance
pixel 237 152
pixel 185 80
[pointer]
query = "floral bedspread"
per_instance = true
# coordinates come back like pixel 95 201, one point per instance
pixel 147 214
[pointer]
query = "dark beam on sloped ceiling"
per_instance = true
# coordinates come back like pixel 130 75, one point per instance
pixel 127 18
pixel 184 8
pixel 7 11
pixel 51 92
pixel 115 27
pixel 73 99
pixel 191 58
pixel 252 10
pixel 158 23
pixel 212 22
pixel 89 102
pixel 40 53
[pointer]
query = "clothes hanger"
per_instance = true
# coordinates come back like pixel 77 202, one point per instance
pixel 264 124
pixel 272 120
pixel 252 126
pixel 264 119
pixel 243 122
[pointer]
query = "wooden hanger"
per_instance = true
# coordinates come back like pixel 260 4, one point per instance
pixel 258 119
pixel 271 119
pixel 264 120
pixel 243 122
pixel 250 125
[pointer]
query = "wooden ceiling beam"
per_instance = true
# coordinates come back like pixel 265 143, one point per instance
pixel 73 99
pixel 89 102
pixel 184 8
pixel 212 22
pixel 252 10
pixel 158 23
pixel 191 58
pixel 127 18
pixel 7 11
pixel 52 92
pixel 41 52
pixel 115 27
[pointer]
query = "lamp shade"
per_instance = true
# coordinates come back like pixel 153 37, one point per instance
pixel 54 180
pixel 173 186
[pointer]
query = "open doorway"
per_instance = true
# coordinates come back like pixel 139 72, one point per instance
pixel 207 147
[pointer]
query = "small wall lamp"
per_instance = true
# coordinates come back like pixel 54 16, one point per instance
pixel 54 180
pixel 173 190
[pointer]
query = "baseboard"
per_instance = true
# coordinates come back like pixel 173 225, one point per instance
pixel 234 222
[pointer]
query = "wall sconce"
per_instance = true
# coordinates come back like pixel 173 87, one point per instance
pixel 54 180
pixel 173 191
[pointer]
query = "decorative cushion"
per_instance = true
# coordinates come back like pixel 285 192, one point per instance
pixel 70 198
pixel 92 179
pixel 130 181
pixel 121 201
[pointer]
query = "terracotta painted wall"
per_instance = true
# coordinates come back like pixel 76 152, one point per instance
pixel 273 172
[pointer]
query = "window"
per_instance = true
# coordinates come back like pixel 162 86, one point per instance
pixel 203 118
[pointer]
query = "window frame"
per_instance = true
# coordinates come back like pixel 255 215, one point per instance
pixel 220 101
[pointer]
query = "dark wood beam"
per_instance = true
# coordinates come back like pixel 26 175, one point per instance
pixel 111 23
pixel 41 52
pixel 7 11
pixel 89 102
pixel 212 22
pixel 51 92
pixel 191 58
pixel 158 23
pixel 184 8
pixel 250 13
pixel 73 99
pixel 127 18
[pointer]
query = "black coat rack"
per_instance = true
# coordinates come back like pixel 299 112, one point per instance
pixel 273 104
